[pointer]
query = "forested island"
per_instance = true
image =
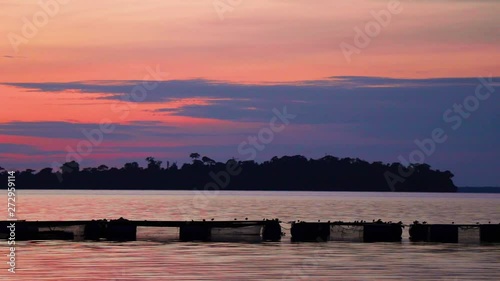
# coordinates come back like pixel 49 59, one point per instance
pixel 290 173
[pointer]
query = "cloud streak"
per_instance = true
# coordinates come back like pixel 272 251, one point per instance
pixel 346 116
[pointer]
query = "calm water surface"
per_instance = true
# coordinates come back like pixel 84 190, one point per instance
pixel 150 259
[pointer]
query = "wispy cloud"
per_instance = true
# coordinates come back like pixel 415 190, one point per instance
pixel 13 57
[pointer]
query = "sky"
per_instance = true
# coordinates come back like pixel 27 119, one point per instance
pixel 118 81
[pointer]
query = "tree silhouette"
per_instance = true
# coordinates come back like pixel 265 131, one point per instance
pixel 208 161
pixel 102 168
pixel 296 172
pixel 174 167
pixel 153 164
pixel 29 171
pixel 194 156
pixel 45 171
pixel 70 167
pixel 132 166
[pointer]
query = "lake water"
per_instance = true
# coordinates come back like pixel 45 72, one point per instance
pixel 148 259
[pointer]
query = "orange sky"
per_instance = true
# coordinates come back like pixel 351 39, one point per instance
pixel 255 41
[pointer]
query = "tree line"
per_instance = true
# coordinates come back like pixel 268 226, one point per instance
pixel 297 172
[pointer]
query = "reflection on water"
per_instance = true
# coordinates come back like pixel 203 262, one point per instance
pixel 154 258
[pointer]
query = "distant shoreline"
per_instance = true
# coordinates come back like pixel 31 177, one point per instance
pixel 485 189
pixel 287 173
pixel 492 190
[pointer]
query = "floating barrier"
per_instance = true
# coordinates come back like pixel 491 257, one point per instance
pixel 126 230
pixel 249 231
pixel 310 232
pixel 454 233
pixel 489 233
pixel 121 230
pixel 94 230
pixel 32 231
pixel 267 230
pixel 346 231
